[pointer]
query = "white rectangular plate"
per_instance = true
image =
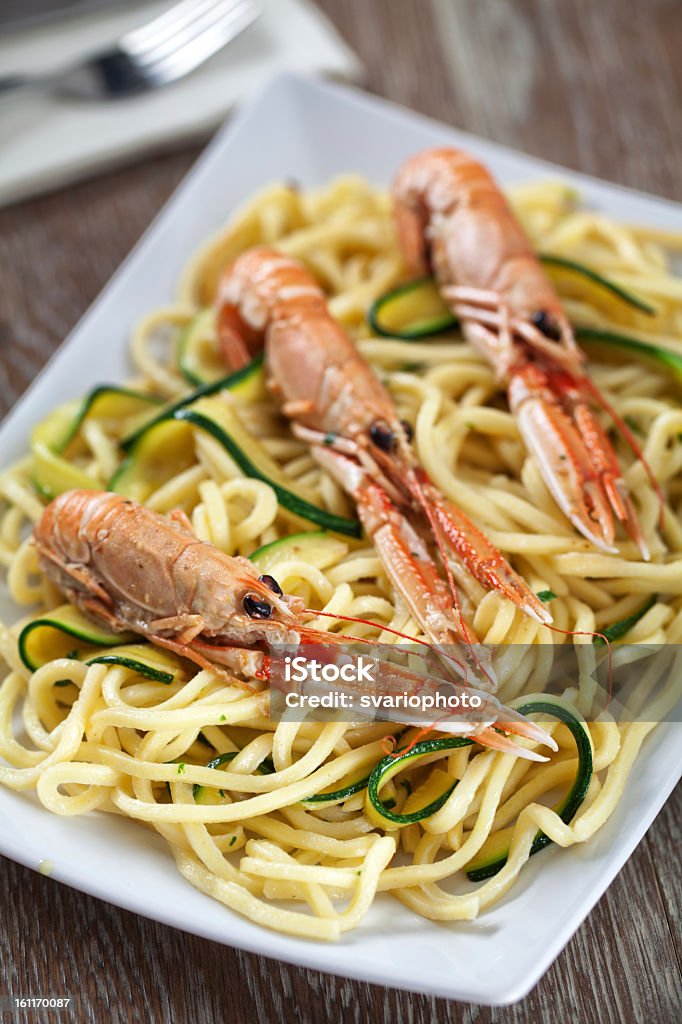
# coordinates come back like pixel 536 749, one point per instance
pixel 311 132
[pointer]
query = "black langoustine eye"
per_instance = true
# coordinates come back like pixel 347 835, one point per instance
pixel 271 582
pixel 255 608
pixel 382 437
pixel 546 324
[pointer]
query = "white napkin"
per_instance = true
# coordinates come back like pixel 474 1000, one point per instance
pixel 46 142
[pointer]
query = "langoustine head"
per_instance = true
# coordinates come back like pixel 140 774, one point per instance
pixel 270 301
pixel 453 220
pixel 136 569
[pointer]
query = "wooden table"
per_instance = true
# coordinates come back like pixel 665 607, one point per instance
pixel 592 85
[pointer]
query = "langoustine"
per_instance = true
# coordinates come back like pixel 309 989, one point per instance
pixel 454 221
pixel 338 406
pixel 133 569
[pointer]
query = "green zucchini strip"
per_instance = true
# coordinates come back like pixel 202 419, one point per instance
pixel 286 496
pixel 140 667
pixel 245 381
pixel 67 633
pixel 140 658
pixel 394 763
pixel 230 383
pixel 596 335
pixel 440 318
pixel 646 349
pixel 337 796
pixel 59 628
pixel 266 767
pixel 200 793
pixel 60 428
pixel 50 473
pixel 491 858
pixel 617 630
pixel 617 290
pixel 101 392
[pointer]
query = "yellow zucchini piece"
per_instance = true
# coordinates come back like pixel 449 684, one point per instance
pixel 317 548
pixel 160 453
pixel 64 632
pixel 52 475
pixel 106 402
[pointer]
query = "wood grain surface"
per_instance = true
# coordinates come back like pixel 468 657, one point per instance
pixel 593 84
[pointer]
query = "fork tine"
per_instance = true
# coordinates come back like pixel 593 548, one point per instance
pixel 160 52
pixel 167 24
pixel 181 54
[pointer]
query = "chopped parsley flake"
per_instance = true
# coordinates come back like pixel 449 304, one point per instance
pixel 181 768
pixel 546 595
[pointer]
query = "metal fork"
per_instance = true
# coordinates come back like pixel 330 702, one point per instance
pixel 165 49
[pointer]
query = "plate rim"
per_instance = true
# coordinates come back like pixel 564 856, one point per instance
pixel 296 951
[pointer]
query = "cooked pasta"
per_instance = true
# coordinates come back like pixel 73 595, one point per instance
pixel 274 819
